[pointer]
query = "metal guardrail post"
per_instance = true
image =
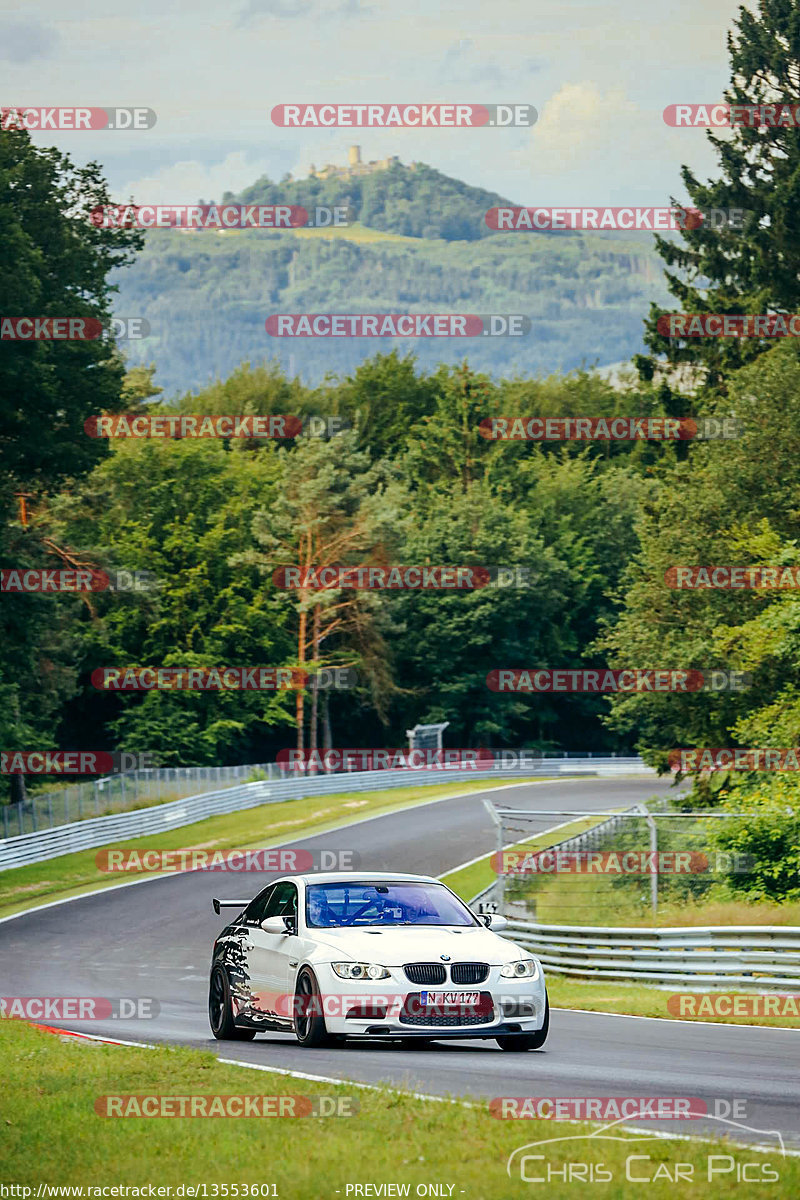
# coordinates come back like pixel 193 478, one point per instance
pixel 500 886
pixel 651 825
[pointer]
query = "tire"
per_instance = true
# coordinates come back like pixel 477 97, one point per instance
pixel 528 1041
pixel 220 1010
pixel 309 1026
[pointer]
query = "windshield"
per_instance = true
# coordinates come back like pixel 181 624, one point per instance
pixel 332 905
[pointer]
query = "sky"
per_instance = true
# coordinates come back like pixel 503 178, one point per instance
pixel 599 75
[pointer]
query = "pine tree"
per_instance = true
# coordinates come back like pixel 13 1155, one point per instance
pixel 755 268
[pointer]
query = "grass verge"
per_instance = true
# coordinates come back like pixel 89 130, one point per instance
pixel 52 1134
pixel 638 1000
pixel 268 824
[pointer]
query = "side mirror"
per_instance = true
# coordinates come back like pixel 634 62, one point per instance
pixel 495 922
pixel 274 925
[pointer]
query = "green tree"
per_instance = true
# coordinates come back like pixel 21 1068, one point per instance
pixel 178 510
pixel 732 502
pixel 755 269
pixel 54 262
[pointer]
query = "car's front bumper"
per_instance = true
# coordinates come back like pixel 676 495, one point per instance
pixel 391 1008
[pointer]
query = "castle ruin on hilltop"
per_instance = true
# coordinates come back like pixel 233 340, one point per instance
pixel 355 166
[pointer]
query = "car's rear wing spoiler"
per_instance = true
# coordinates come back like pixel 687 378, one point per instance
pixel 218 904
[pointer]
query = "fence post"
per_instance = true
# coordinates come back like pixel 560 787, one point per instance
pixel 5 820
pixel 50 807
pixel 651 825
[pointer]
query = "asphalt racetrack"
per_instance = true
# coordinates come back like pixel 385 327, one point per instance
pixel 154 939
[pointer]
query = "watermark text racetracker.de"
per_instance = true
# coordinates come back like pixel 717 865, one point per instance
pixel 620 862
pixel 417 115
pixel 74 762
pixel 208 425
pixel 396 577
pixel 735 1006
pixel 51 580
pixel 398 325
pixel 732 116
pixel 534 219
pixel 732 577
pixel 604 679
pixel 216 679
pixel 612 1108
pixel 739 758
pixel 387 758
pixel 284 859
pixel 219 217
pixel 608 429
pixel 72 329
pixel 159 1104
pixel 80 1008
pixel 31 117
pixel 722 325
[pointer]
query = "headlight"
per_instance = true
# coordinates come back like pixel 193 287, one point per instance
pixel 523 968
pixel 351 970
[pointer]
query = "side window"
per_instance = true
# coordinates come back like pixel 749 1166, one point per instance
pixel 257 909
pixel 282 902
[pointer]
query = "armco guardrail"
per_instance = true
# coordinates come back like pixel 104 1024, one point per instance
pixel 99 831
pixel 755 956
pixel 129 790
pixel 765 957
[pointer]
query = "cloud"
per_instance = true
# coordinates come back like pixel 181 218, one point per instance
pixel 21 41
pixel 190 181
pixel 592 145
pixel 578 123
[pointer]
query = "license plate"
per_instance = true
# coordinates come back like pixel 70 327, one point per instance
pixel 447 999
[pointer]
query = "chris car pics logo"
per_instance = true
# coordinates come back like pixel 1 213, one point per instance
pixel 580 1158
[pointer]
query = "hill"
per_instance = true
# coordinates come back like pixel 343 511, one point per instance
pixel 416 201
pixel 207 295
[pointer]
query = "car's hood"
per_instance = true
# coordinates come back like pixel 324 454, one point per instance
pixel 415 943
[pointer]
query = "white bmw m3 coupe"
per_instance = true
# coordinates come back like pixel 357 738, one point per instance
pixel 372 955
